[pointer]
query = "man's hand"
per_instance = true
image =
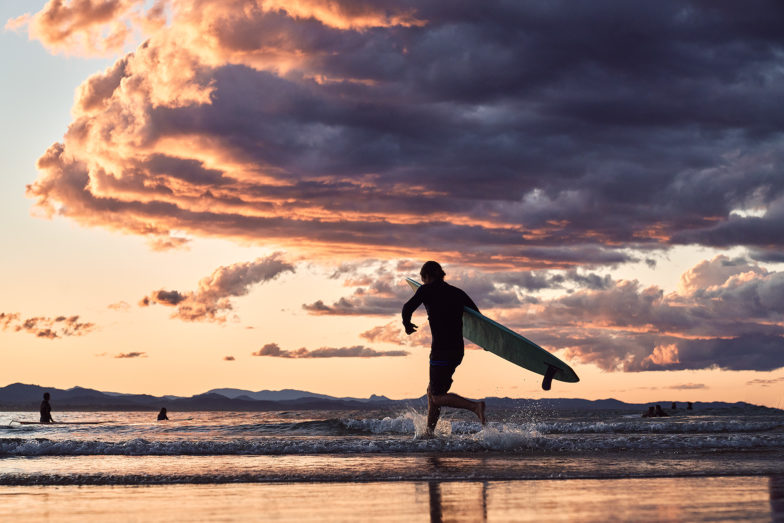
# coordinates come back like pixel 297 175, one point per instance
pixel 410 328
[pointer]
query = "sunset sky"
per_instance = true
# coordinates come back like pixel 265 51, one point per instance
pixel 230 193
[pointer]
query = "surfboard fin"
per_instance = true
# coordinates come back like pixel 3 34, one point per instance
pixel 547 382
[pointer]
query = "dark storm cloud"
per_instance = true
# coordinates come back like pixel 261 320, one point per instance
pixel 541 134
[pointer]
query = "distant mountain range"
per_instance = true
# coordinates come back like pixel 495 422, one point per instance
pixel 22 397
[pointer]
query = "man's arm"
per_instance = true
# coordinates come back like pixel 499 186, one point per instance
pixel 468 302
pixel 408 310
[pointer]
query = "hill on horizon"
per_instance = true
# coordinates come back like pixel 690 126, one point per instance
pixel 20 396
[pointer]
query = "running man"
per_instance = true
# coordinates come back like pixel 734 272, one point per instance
pixel 444 304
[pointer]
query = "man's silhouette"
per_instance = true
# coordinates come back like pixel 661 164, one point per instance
pixel 46 410
pixel 444 304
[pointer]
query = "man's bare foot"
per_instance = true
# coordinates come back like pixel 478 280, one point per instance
pixel 480 411
pixel 428 434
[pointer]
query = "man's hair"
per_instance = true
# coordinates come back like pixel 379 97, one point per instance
pixel 433 270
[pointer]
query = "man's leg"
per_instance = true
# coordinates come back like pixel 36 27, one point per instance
pixel 433 412
pixel 451 399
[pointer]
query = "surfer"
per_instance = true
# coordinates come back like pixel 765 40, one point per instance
pixel 444 304
pixel 162 415
pixel 46 410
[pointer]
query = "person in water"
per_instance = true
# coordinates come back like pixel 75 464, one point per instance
pixel 162 415
pixel 46 410
pixel 444 304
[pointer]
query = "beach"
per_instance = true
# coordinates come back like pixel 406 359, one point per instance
pixel 718 465
pixel 744 498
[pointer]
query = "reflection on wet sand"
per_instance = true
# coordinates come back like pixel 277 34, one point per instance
pixel 455 501
pixel 776 489
pixel 749 498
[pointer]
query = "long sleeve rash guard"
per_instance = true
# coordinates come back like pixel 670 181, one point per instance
pixel 444 304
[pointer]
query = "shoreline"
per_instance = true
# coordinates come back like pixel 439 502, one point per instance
pixel 367 468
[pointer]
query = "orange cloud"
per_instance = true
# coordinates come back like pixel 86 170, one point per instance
pixel 82 27
pixel 45 327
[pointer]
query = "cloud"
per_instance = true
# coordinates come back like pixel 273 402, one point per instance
pixel 393 333
pixel 729 315
pixel 128 355
pixel 380 288
pixel 689 386
pixel 228 358
pixel 88 28
pixel 120 306
pixel 477 133
pixel 46 327
pixel 710 273
pixel 212 300
pixel 357 351
pixel 765 382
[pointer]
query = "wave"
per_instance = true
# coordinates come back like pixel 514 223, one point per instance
pixel 489 439
pixel 408 424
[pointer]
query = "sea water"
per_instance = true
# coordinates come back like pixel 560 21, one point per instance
pixel 736 450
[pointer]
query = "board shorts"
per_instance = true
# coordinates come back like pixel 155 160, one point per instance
pixel 441 376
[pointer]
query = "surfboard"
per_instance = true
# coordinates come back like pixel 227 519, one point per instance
pixel 504 342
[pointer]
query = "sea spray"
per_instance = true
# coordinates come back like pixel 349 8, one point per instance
pixel 502 437
pixel 443 427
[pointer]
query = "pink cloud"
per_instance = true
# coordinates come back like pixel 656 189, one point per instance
pixel 212 300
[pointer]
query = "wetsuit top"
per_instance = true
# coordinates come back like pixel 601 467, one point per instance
pixel 444 304
pixel 46 412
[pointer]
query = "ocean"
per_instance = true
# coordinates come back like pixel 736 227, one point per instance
pixel 528 464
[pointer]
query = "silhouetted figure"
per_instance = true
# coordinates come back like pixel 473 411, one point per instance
pixel 444 304
pixel 162 415
pixel 650 414
pixel 46 410
pixel 673 406
pixel 659 412
pixel 688 406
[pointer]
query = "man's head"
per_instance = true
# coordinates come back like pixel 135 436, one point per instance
pixel 46 396
pixel 432 272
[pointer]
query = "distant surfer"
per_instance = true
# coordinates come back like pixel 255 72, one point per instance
pixel 444 304
pixel 46 410
pixel 162 415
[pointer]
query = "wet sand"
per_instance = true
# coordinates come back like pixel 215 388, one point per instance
pixel 745 498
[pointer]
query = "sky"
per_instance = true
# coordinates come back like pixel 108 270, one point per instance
pixel 230 193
